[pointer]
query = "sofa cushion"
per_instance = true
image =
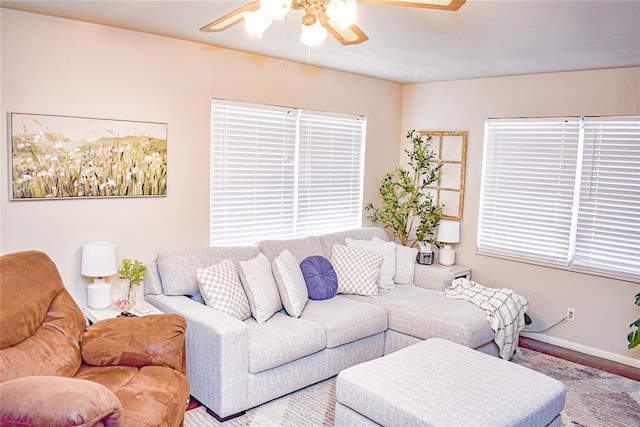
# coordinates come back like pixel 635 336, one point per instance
pixel 293 290
pixel 177 267
pixel 357 270
pixel 423 313
pixel 260 286
pixel 320 277
pixel 345 320
pixel 405 263
pixel 338 238
pixel 222 290
pixel 150 396
pixel 387 250
pixel 300 248
pixel 280 340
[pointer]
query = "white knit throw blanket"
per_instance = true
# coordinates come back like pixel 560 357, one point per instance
pixel 505 311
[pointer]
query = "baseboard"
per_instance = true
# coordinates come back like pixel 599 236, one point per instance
pixel 630 361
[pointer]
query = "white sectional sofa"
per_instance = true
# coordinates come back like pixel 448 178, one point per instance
pixel 234 365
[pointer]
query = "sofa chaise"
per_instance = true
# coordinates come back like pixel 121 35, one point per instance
pixel 234 364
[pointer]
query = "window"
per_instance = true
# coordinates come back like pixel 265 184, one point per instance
pixel 565 191
pixel 279 173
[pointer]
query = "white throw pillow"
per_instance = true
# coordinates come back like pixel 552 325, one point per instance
pixel 259 284
pixel 357 270
pixel 405 263
pixel 290 282
pixel 221 289
pixel 388 252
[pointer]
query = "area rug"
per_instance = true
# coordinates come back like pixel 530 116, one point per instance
pixel 594 398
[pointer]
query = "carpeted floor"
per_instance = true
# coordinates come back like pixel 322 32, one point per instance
pixel 594 399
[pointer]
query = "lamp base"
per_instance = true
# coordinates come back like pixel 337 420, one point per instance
pixel 99 295
pixel 447 255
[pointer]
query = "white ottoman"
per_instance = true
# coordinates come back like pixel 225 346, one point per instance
pixel 440 383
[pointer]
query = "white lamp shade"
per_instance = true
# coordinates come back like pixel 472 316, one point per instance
pixel 342 12
pixel 99 259
pixel 313 35
pixel 275 9
pixel 256 23
pixel 448 231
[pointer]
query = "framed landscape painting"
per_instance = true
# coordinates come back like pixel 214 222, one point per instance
pixel 55 157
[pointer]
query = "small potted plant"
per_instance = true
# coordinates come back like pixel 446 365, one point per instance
pixel 133 271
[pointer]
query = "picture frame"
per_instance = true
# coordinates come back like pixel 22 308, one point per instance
pixel 67 157
pixel 450 148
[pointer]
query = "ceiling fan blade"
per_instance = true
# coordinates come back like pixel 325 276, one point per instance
pixel 350 35
pixel 451 5
pixel 231 18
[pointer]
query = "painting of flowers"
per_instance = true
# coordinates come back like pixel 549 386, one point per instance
pixel 56 157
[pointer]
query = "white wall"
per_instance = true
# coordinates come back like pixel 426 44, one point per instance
pixel 604 306
pixel 63 67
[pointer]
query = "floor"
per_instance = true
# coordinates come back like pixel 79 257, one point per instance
pixel 581 358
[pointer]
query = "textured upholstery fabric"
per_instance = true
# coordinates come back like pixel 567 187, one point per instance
pixel 218 366
pixel 75 402
pixel 300 248
pixel 320 277
pixel 48 363
pixel 424 314
pixel 222 290
pixel 387 250
pixel 300 373
pixel 345 320
pixel 430 277
pixel 366 233
pixel 357 270
pixel 177 267
pixel 436 373
pixel 260 286
pixel 293 290
pixel 281 340
pixel 405 263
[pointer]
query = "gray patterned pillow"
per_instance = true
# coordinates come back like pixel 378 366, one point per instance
pixel 291 284
pixel 260 286
pixel 221 289
pixel 388 252
pixel 357 270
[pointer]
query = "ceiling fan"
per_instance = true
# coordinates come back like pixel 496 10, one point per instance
pixel 335 16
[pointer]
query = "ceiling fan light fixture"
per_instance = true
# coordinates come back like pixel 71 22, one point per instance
pixel 313 35
pixel 342 12
pixel 275 10
pixel 256 23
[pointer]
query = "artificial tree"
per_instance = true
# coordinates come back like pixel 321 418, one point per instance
pixel 407 207
pixel 634 336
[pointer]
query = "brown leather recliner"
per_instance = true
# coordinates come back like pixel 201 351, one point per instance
pixel 54 371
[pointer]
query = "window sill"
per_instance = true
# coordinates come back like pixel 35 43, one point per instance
pixel 576 270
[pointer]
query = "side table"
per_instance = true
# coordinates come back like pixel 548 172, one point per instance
pixel 141 309
pixel 457 269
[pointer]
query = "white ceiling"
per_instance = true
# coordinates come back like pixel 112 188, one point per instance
pixel 485 38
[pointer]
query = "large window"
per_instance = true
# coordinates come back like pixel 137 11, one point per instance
pixel 564 191
pixel 281 173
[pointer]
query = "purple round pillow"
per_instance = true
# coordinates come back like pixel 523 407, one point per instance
pixel 320 277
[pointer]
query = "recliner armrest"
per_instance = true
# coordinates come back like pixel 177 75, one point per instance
pixel 430 277
pixel 154 340
pixel 57 401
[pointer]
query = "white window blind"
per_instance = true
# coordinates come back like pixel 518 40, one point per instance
pixel 564 191
pixel 608 221
pixel 281 173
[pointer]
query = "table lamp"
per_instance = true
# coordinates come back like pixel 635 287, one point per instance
pixel 99 261
pixel 448 233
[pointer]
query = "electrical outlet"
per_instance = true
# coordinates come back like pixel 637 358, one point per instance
pixel 571 314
